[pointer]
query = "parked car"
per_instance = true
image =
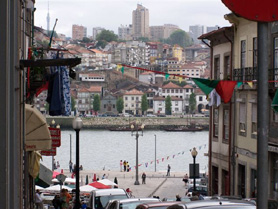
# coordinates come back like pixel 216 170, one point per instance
pixel 130 203
pixel 203 190
pixel 158 205
pixel 183 199
pixel 214 204
pixel 99 198
pixel 272 204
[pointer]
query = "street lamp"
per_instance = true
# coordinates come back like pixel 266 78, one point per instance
pixel 77 125
pixel 194 153
pixel 155 153
pixel 136 127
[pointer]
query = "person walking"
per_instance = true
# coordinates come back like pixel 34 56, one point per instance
pixel 168 170
pixel 38 200
pixel 178 197
pixel 121 165
pixel 185 179
pixel 124 166
pixel 104 176
pixel 56 202
pixel 127 166
pixel 70 166
pixel 144 178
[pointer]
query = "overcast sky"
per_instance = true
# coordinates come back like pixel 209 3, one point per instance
pixel 110 14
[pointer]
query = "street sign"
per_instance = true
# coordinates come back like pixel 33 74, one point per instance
pixel 61 177
pixel 255 10
pixel 51 152
pixel 55 136
pixel 191 171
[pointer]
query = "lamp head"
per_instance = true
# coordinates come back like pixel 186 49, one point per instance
pixel 77 123
pixel 53 122
pixel 132 126
pixel 58 126
pixel 142 126
pixel 194 152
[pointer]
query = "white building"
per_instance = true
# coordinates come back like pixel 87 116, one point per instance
pixel 91 77
pixel 160 108
pixel 132 102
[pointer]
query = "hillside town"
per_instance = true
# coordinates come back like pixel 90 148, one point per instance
pixel 141 75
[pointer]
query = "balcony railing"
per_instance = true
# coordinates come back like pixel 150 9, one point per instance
pixel 251 74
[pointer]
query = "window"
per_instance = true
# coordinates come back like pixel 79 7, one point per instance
pixel 226 66
pixel 172 90
pixel 177 91
pixel 243 54
pixel 217 67
pixel 132 98
pixel 176 103
pixel 226 115
pixel 200 98
pixel 168 90
pixel 176 109
pixel 114 106
pixel 254 118
pixel 137 98
pixel 104 106
pixel 163 91
pixel 255 52
pixel 180 90
pixel 125 98
pixel 132 105
pixel 215 122
pixel 242 118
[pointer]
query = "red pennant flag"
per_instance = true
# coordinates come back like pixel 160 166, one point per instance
pixel 157 161
pixel 173 156
pixel 139 165
pixel 151 162
pixel 162 159
pixel 225 90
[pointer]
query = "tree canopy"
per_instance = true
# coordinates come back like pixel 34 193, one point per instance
pixel 104 37
pixel 96 103
pixel 120 105
pixel 192 103
pixel 180 37
pixel 168 105
pixel 144 104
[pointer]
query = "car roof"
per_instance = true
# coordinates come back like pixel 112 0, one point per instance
pixel 137 199
pixel 157 204
pixel 102 192
pixel 207 203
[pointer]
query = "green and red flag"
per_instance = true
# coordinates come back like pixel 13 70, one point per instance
pixel 225 89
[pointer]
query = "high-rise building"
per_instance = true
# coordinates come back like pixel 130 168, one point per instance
pixel 195 31
pixel 211 28
pixel 78 32
pixel 124 32
pixel 162 32
pixel 140 22
pixel 97 31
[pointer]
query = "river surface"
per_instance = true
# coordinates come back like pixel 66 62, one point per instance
pixel 103 149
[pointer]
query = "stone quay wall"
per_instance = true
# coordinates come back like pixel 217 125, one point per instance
pixel 110 122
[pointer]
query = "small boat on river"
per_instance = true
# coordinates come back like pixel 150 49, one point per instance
pixel 184 128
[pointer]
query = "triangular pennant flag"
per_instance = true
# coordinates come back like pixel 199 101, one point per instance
pixel 179 153
pixel 205 85
pixel 151 162
pixel 123 70
pixel 239 84
pixel 166 76
pixel 274 103
pixel 162 159
pixel 225 90
pixel 180 79
pixel 157 161
pixel 139 164
pixel 250 83
pixel 173 156
pixel 119 67
pixel 167 157
pixel 200 147
pixel 146 164
pixel 182 152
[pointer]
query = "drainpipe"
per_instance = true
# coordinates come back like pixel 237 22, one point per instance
pixel 231 110
pixel 210 126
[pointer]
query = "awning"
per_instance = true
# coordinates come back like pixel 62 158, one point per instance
pixel 37 135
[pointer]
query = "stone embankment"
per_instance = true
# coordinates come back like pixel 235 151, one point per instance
pixel 149 122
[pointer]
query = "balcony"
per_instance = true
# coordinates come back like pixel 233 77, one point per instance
pixel 250 74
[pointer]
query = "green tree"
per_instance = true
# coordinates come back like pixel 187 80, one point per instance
pixel 168 105
pixel 181 38
pixel 192 103
pixel 144 104
pixel 73 103
pixel 96 103
pixel 120 105
pixel 143 39
pixel 104 37
pixel 86 40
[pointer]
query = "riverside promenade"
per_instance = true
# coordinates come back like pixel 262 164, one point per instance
pixel 157 183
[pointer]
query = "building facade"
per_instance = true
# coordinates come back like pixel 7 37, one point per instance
pixel 132 102
pixel 78 32
pixel 140 22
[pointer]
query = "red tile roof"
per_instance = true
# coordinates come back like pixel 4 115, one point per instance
pixel 134 92
pixel 171 86
pixel 188 87
pixel 95 89
pixel 163 99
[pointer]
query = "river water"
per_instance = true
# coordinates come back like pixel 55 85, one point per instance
pixel 103 149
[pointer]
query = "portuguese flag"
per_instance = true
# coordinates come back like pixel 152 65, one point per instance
pixel 225 89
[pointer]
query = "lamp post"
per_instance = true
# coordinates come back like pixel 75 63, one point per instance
pixel 77 125
pixel 155 153
pixel 136 127
pixel 194 153
pixel 70 148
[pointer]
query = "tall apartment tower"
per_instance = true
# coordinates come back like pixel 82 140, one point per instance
pixel 140 22
pixel 195 31
pixel 78 32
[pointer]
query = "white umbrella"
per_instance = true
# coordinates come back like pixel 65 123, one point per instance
pixel 70 181
pixel 55 180
pixel 56 188
pixel 87 188
pixel 107 182
pixel 38 187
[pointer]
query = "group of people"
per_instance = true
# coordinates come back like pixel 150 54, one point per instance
pixel 56 165
pixel 62 201
pixel 124 166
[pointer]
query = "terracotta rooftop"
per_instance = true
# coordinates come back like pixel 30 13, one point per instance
pixel 95 89
pixel 163 99
pixel 171 86
pixel 134 92
pixel 198 91
pixel 188 87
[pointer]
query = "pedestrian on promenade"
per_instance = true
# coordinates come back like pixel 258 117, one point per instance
pixel 56 202
pixel 58 165
pixel 116 182
pixel 124 166
pixel 185 179
pixel 121 165
pixel 104 176
pixel 144 178
pixel 178 197
pixel 38 200
pixel 70 166
pixel 127 166
pixel 168 170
